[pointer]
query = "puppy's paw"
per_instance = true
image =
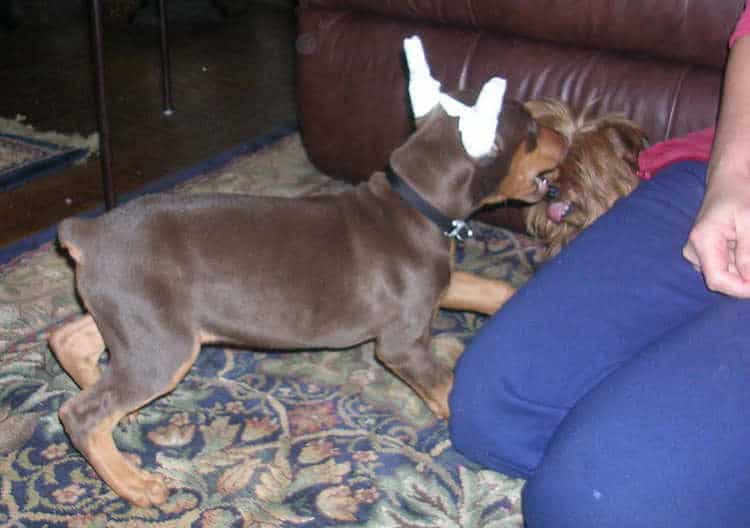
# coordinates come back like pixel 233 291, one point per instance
pixel 437 399
pixel 147 490
pixel 128 420
pixel 440 409
pixel 155 489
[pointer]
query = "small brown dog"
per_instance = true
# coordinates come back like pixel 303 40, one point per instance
pixel 164 274
pixel 599 168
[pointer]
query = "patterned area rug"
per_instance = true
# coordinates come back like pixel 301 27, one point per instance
pixel 260 439
pixel 23 158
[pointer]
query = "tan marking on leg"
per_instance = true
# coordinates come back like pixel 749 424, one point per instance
pixel 179 376
pixel 132 416
pixel 209 337
pixel 78 346
pixel 186 366
pixel 434 395
pixel 436 398
pixel 75 253
pixel 136 485
pixel 472 293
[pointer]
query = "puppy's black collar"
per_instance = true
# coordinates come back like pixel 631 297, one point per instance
pixel 455 229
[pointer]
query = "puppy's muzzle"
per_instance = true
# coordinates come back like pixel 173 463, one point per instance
pixel 544 188
pixel 553 191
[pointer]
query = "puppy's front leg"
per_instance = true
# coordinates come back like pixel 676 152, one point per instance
pixel 472 293
pixel 415 363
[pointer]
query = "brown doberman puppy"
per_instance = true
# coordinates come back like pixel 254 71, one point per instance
pixel 166 273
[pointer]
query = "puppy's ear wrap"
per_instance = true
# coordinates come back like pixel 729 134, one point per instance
pixel 424 90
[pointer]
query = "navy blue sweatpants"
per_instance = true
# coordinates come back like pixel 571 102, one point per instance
pixel 614 381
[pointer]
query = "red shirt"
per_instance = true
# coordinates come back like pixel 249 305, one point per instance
pixel 695 146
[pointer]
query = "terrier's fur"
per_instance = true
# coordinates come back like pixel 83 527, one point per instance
pixel 600 167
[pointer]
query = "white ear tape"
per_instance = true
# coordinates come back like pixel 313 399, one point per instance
pixel 478 124
pixel 490 99
pixel 424 90
pixel 453 107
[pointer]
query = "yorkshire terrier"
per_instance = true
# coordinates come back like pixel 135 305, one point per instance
pixel 600 167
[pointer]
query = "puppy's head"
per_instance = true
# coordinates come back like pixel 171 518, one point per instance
pixel 470 150
pixel 599 168
pixel 532 168
pixel 525 156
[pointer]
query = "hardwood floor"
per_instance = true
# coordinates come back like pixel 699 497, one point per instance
pixel 231 82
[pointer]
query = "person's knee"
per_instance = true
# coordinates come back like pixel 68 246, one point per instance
pixel 483 425
pixel 466 406
pixel 545 501
pixel 567 492
pixel 556 498
pixel 471 412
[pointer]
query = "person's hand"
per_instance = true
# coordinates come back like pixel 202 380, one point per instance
pixel 719 243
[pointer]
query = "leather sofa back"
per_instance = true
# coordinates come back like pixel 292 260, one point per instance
pixel 657 61
pixel 693 31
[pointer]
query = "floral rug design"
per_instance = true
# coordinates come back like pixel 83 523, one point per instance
pixel 251 439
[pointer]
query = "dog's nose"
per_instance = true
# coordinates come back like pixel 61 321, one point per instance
pixel 553 191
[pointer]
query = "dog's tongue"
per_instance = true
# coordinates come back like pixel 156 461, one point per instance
pixel 557 210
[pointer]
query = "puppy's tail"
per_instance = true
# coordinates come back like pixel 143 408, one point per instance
pixel 74 235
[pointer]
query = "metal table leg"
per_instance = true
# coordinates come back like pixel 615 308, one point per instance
pixel 105 147
pixel 167 107
pixel 105 144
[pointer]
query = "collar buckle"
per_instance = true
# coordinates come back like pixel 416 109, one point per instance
pixel 453 229
pixel 461 231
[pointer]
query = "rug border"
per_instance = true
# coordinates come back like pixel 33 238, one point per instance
pixel 40 168
pixel 34 241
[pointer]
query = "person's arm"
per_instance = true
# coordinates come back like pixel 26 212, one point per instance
pixel 719 242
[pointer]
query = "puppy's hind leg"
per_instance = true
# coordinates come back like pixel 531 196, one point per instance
pixel 417 366
pixel 78 346
pixel 132 380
